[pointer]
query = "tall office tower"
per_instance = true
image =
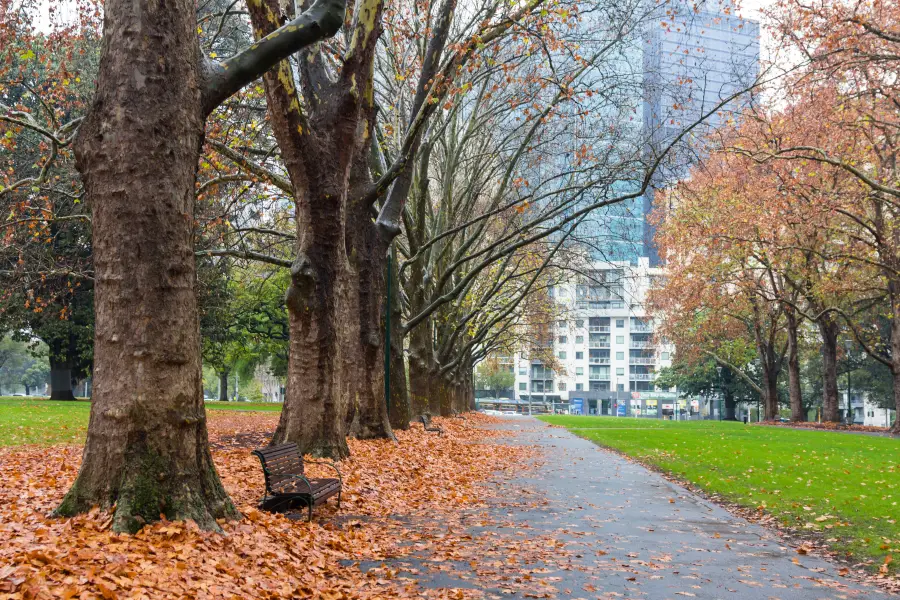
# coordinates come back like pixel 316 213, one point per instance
pixel 689 62
pixel 698 58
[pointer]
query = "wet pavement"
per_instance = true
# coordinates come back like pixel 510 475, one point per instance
pixel 587 523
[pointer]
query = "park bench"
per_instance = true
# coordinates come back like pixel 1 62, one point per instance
pixel 286 483
pixel 428 426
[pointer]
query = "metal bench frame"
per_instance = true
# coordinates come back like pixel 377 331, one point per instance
pixel 427 425
pixel 292 471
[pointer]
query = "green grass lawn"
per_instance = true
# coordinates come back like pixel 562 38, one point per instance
pixel 845 487
pixel 26 420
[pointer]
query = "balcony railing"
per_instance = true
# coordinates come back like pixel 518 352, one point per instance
pixel 599 328
pixel 594 377
pixel 599 361
pixel 642 376
pixel 641 328
pixel 642 360
pixel 641 344
pixel 599 345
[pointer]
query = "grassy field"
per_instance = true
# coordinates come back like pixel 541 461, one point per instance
pixel 25 420
pixel 843 486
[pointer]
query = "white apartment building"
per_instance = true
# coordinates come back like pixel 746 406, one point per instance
pixel 605 346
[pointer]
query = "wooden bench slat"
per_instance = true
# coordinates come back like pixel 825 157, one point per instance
pixel 283 470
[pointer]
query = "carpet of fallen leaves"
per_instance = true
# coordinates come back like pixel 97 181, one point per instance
pixel 387 486
pixel 827 426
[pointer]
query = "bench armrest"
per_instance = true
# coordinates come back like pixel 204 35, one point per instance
pixel 305 480
pixel 329 463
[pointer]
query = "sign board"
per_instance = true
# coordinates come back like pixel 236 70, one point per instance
pixel 577 406
pixel 657 395
pixel 668 406
pixel 620 410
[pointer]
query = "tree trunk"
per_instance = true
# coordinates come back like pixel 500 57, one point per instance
pixel 830 404
pixel 895 352
pixel 771 395
pixel 61 380
pixel 796 395
pixel 318 150
pixel 223 386
pixel 400 409
pixel 147 450
pixel 372 419
pixel 423 384
pixel 27 390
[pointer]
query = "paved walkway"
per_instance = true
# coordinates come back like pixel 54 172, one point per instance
pixel 590 524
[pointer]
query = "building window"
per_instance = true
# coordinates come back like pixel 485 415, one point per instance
pixel 620 356
pixel 579 370
pixel 620 387
pixel 562 353
pixel 620 322
pixel 561 324
pixel 620 371
pixel 579 356
pixel 665 356
pixel 523 386
pixel 579 387
pixel 620 339
pixel 579 323
pixel 579 339
pixel 562 386
pixel 523 370
pixel 563 339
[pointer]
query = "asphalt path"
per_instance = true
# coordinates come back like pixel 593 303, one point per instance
pixel 584 522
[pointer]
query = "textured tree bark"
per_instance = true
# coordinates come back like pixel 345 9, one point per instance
pixel 223 386
pixel 369 251
pixel 796 394
pixel 423 390
pixel 147 450
pixel 318 150
pixel 830 405
pixel 60 380
pixel 894 289
pixel 400 410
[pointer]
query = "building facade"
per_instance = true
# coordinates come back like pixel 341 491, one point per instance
pixel 604 347
pixel 699 58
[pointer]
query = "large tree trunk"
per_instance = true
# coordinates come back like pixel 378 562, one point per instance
pixel 369 250
pixel 423 384
pixel 147 451
pixel 223 386
pixel 830 404
pixel 400 410
pixel 796 395
pixel 61 380
pixel 318 150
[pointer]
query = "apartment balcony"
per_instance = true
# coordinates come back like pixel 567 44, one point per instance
pixel 599 329
pixel 599 361
pixel 642 360
pixel 598 378
pixel 642 376
pixel 599 345
pixel 641 328
pixel 640 344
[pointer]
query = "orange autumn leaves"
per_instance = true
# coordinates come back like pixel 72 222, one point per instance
pixel 261 556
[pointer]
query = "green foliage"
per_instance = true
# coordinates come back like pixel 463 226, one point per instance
pixel 840 485
pixel 22 364
pixel 491 375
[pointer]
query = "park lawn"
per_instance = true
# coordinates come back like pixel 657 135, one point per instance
pixel 30 420
pixel 843 486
